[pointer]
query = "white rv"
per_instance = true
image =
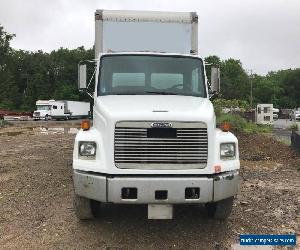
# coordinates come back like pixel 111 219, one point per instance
pixel 51 109
pixel 154 138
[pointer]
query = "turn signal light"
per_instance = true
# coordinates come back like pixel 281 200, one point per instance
pixel 225 126
pixel 85 125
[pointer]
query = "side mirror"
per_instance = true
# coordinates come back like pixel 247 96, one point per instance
pixel 82 76
pixel 215 79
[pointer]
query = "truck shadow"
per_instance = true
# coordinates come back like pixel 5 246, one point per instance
pixel 135 212
pixel 129 226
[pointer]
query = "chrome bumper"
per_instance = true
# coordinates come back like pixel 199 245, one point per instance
pixel 173 189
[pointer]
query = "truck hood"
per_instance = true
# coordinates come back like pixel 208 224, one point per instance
pixel 154 107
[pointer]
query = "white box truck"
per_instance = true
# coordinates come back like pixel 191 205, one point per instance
pixel 154 138
pixel 61 110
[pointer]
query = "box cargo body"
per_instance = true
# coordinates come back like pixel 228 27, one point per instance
pixel 77 109
pixel 175 32
pixel 71 110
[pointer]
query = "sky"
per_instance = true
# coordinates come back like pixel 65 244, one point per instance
pixel 263 34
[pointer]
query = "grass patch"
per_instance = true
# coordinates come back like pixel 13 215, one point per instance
pixel 294 127
pixel 240 124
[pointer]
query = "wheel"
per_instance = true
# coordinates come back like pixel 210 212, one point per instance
pixel 83 207
pixel 220 209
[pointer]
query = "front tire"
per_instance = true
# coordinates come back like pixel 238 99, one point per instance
pixel 219 210
pixel 83 207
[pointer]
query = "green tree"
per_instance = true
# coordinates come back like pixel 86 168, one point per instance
pixel 290 84
pixel 234 80
pixel 28 76
pixel 8 87
pixel 265 90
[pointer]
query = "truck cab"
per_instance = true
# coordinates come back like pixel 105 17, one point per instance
pixel 154 138
pixel 46 108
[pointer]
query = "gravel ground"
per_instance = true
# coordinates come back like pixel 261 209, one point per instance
pixel 36 210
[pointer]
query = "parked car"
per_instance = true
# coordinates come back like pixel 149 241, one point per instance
pixel 294 115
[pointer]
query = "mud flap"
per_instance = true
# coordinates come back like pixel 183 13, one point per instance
pixel 160 211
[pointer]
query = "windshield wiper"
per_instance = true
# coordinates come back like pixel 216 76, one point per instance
pixel 160 93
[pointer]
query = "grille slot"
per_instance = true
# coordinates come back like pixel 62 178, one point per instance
pixel 133 149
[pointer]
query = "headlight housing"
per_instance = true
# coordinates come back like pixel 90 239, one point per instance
pixel 227 150
pixel 87 149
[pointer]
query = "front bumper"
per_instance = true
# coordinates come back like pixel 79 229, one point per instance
pixel 105 188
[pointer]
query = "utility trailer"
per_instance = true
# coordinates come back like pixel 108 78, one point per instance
pixel 154 138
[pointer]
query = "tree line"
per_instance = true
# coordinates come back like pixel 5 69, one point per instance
pixel 27 76
pixel 282 88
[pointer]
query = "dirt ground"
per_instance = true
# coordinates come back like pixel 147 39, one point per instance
pixel 36 210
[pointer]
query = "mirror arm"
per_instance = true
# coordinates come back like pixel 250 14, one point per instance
pixel 92 77
pixel 212 94
pixel 88 93
pixel 87 61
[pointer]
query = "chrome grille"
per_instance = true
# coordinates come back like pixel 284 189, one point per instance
pixel 133 149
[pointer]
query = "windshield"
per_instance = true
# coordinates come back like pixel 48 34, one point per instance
pixel 151 74
pixel 43 107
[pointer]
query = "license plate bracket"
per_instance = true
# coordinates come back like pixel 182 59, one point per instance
pixel 160 211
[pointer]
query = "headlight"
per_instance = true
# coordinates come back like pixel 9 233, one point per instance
pixel 87 148
pixel 227 150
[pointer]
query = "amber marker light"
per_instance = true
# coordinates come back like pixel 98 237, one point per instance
pixel 225 126
pixel 85 125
